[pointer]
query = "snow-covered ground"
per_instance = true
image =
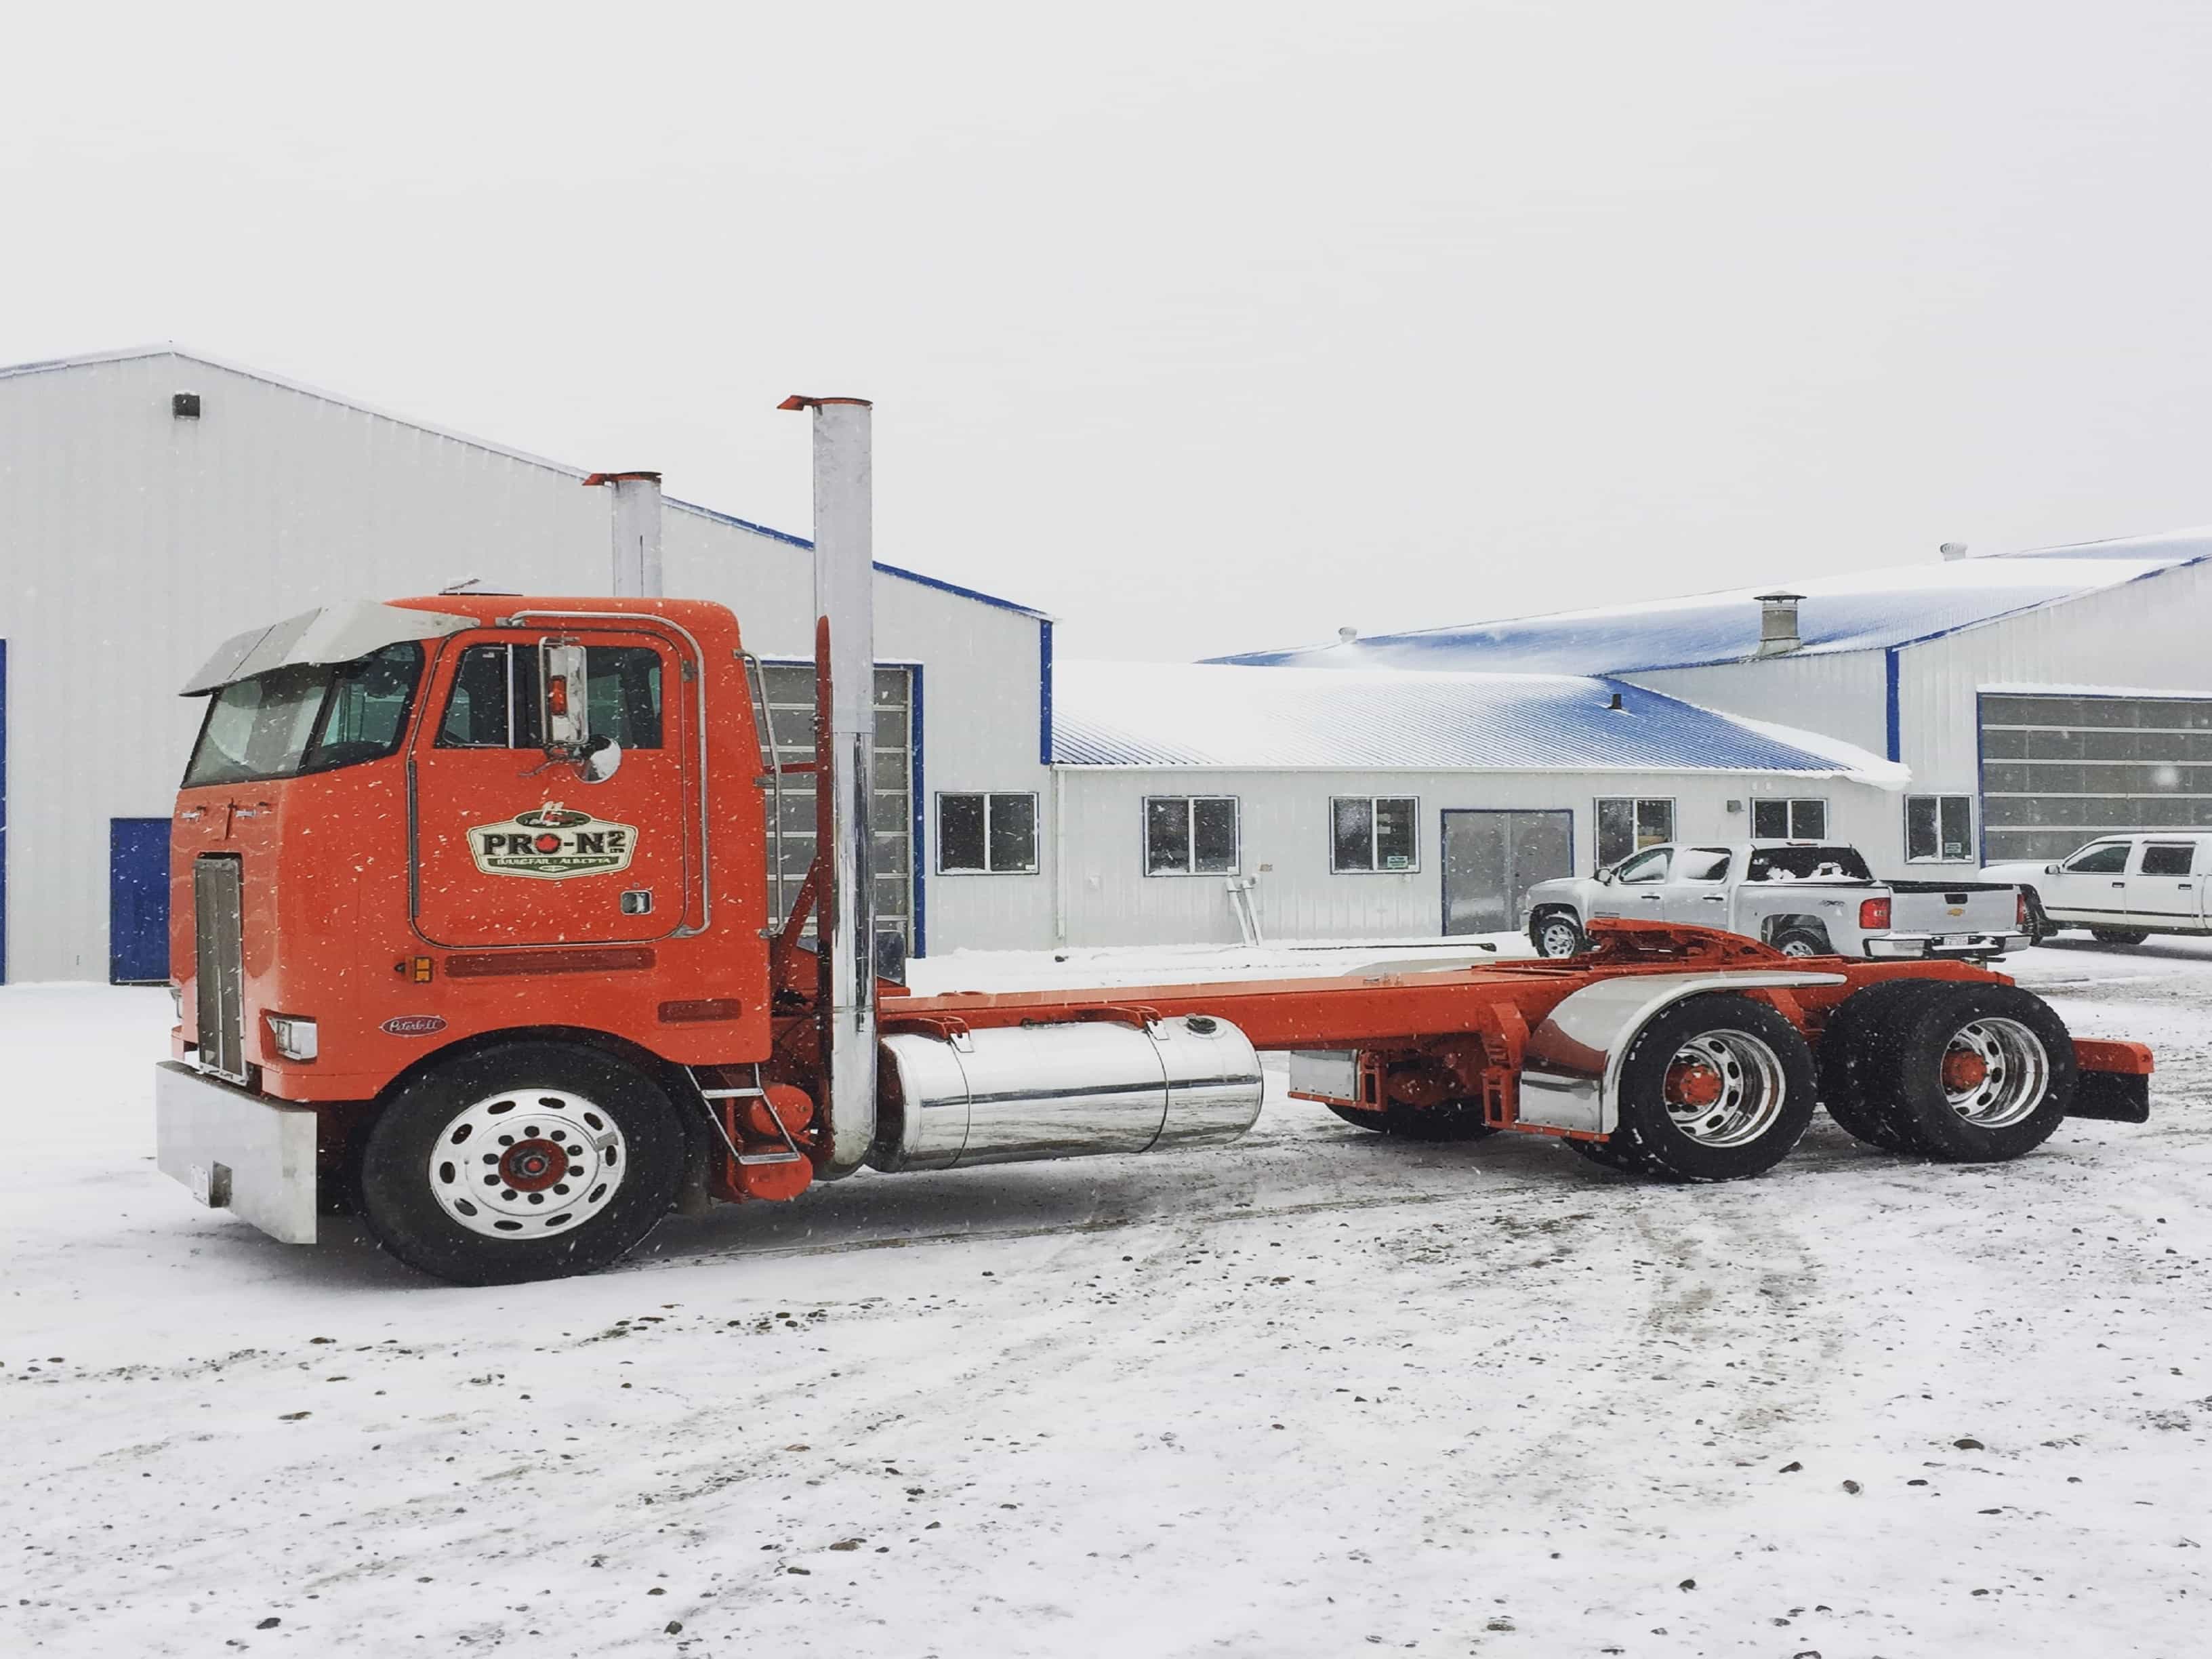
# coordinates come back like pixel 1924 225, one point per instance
pixel 1314 1393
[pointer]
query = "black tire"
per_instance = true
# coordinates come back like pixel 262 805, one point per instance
pixel 1853 1042
pixel 1558 935
pixel 2017 1041
pixel 1776 1104
pixel 635 1153
pixel 2119 935
pixel 2040 925
pixel 1804 942
pixel 1608 1154
pixel 1455 1120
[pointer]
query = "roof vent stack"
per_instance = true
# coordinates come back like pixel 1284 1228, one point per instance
pixel 1346 635
pixel 1777 623
pixel 1951 551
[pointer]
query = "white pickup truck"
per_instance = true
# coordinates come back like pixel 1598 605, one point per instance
pixel 1805 898
pixel 2122 888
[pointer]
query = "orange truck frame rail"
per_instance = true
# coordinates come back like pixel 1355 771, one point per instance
pixel 471 934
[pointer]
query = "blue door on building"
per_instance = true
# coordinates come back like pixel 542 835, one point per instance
pixel 137 900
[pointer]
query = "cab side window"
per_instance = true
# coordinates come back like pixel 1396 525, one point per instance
pixel 1646 867
pixel 1702 864
pixel 494 702
pixel 2167 858
pixel 2107 859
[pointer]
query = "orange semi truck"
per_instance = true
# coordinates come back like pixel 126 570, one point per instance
pixel 471 935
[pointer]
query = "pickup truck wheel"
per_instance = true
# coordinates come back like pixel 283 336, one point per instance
pixel 1804 942
pixel 1455 1120
pixel 1716 1088
pixel 1979 1075
pixel 1558 935
pixel 2119 935
pixel 528 1161
pixel 2040 926
pixel 1849 1045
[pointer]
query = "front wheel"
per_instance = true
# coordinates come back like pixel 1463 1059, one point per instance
pixel 2119 935
pixel 530 1160
pixel 1716 1088
pixel 1558 935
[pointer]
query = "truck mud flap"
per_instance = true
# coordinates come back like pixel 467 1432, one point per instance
pixel 2114 1085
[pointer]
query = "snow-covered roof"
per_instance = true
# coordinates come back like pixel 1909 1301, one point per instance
pixel 1863 610
pixel 1239 719
pixel 51 365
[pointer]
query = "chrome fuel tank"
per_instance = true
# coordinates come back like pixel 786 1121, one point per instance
pixel 1016 1093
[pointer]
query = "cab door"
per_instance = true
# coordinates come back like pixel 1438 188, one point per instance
pixel 2163 884
pixel 513 848
pixel 1638 889
pixel 2091 887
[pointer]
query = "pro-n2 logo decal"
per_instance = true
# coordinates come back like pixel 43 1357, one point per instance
pixel 552 843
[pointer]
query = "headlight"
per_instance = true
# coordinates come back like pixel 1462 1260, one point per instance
pixel 294 1038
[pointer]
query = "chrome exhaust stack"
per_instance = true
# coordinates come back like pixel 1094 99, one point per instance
pixel 845 753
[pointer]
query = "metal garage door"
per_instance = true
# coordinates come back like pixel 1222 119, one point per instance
pixel 2058 771
pixel 790 715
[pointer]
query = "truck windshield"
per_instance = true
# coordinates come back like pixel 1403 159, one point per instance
pixel 1807 864
pixel 292 720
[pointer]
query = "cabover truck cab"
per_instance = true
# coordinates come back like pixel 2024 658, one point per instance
pixel 471 936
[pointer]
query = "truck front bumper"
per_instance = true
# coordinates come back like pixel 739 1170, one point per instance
pixel 1921 947
pixel 237 1151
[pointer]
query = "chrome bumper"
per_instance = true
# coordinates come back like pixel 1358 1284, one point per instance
pixel 237 1151
pixel 1921 947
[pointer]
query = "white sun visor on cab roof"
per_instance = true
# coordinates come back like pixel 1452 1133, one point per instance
pixel 337 633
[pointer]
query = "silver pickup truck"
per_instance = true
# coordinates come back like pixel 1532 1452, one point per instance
pixel 1805 898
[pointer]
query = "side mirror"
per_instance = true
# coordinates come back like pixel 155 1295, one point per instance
pixel 1604 875
pixel 566 718
pixel 2050 869
pixel 602 759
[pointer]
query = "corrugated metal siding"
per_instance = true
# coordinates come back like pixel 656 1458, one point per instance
pixel 2148 634
pixel 135 541
pixel 1285 841
pixel 1199 715
pixel 1840 693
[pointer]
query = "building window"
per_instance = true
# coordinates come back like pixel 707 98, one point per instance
pixel 1626 825
pixel 1373 832
pixel 1939 829
pixel 986 835
pixel 1190 835
pixel 1789 820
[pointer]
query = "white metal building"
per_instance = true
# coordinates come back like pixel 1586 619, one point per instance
pixel 2038 699
pixel 1206 803
pixel 154 502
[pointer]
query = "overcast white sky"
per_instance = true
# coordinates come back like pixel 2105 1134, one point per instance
pixel 1204 326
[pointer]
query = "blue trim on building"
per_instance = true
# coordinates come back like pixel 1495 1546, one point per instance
pixel 1044 692
pixel 902 574
pixel 918 854
pixel 1893 713
pixel 4 811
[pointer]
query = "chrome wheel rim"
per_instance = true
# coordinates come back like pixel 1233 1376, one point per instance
pixel 1724 1089
pixel 527 1162
pixel 1798 947
pixel 1558 939
pixel 1995 1072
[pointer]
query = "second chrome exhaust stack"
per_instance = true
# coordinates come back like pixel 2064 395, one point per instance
pixel 845 749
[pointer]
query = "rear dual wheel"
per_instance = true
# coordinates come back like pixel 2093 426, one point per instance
pixel 1959 1072
pixel 1716 1088
pixel 1455 1120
